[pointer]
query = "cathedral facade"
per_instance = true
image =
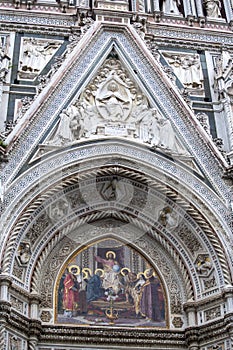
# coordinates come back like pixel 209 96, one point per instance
pixel 116 181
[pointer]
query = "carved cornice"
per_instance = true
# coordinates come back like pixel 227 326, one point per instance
pixel 110 336
pixel 5 279
pixel 5 309
pixel 63 334
pixel 207 302
pixel 19 322
pixel 215 330
pixel 20 291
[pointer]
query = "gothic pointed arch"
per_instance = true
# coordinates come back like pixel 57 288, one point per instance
pixel 116 202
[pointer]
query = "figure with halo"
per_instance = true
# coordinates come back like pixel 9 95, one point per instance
pixel 149 305
pixel 111 269
pixel 71 291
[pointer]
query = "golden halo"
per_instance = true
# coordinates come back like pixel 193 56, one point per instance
pixel 84 275
pixel 101 271
pixel 111 252
pixel 150 275
pixel 140 274
pixel 86 270
pixel 124 268
pixel 76 267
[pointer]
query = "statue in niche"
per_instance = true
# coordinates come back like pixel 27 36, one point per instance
pixel 14 343
pixel 116 190
pixel 187 68
pixel 113 100
pixel 171 6
pixel 203 265
pixel 143 120
pixel 168 218
pixel 24 253
pixel 58 209
pixel 213 8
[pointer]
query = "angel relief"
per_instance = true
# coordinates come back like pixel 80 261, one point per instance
pixel 113 105
pixel 110 283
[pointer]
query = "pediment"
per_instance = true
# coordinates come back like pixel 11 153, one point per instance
pixel 110 86
pixel 112 104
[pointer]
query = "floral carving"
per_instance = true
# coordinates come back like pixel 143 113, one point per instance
pixel 188 238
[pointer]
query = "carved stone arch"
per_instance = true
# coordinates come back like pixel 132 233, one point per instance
pixel 71 223
pixel 142 229
pixel 167 189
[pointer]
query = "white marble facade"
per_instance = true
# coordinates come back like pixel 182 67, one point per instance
pixel 116 156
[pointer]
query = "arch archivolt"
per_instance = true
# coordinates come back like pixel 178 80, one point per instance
pixel 185 237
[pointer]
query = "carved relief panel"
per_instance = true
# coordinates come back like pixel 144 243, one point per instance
pixel 112 104
pixel 34 55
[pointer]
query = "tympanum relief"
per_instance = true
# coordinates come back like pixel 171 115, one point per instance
pixel 113 105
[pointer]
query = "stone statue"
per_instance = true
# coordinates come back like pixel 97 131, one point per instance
pixel 112 104
pixel 162 134
pixel 113 99
pixel 196 71
pixel 171 7
pixel 213 8
pixel 204 265
pixel 116 190
pixel 168 218
pixel 24 253
pixel 64 133
pixel 33 57
pixel 58 210
pixel 143 121
pixel 76 121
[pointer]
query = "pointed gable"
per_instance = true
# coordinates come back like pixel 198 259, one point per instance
pixel 78 75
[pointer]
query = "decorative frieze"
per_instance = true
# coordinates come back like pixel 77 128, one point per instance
pixel 213 313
